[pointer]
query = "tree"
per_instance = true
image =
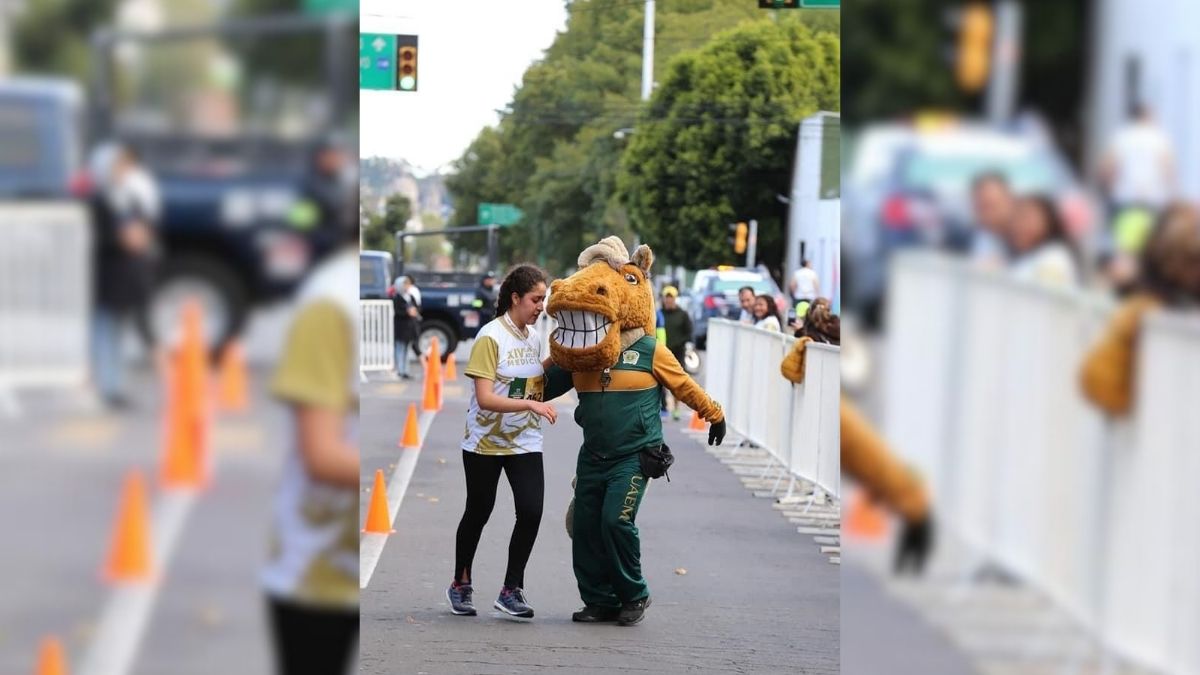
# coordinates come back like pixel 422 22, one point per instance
pixel 380 231
pixel 717 141
pixel 554 153
pixel 51 36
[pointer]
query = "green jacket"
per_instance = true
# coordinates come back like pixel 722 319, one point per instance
pixel 620 417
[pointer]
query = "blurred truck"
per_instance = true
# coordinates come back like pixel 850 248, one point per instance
pixel 227 117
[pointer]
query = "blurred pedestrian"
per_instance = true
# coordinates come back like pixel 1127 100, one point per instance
pixel 1169 277
pixel 821 324
pixel 406 321
pixel 746 301
pixel 1043 251
pixel 678 333
pixel 1138 169
pixel 805 284
pixel 329 197
pixel 125 208
pixel 766 316
pixel 486 295
pixel 994 208
pixel 504 434
pixel 311 575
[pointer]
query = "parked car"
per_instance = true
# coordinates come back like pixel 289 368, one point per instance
pixel 231 194
pixel 715 295
pixel 910 186
pixel 42 135
pixel 375 274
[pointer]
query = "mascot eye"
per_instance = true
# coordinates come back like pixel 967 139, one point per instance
pixel 631 279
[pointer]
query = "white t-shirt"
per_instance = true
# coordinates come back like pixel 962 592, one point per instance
pixel 1050 264
pixel 806 281
pixel 770 323
pixel 1139 153
pixel 514 365
pixel 313 555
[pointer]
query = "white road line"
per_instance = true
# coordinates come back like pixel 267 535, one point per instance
pixel 115 643
pixel 370 546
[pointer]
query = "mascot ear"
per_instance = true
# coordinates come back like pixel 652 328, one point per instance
pixel 643 257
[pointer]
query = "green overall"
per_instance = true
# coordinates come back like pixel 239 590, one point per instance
pixel 618 412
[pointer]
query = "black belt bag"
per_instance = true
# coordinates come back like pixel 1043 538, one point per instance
pixel 656 460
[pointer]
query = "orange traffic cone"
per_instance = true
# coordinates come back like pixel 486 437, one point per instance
pixel 187 419
pixel 129 557
pixel 378 520
pixel 449 374
pixel 231 388
pixel 697 423
pixel 864 520
pixel 411 438
pixel 433 379
pixel 51 659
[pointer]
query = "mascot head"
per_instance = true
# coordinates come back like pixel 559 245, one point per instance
pixel 603 308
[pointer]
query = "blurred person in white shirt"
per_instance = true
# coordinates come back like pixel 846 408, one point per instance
pixel 766 316
pixel 746 302
pixel 994 207
pixel 1044 252
pixel 1138 170
pixel 805 285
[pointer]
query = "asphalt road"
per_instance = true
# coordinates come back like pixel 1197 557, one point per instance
pixel 735 588
pixel 61 469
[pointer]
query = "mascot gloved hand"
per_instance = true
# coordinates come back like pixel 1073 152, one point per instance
pixel 605 348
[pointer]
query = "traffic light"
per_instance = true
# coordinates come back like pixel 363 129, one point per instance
pixel 739 238
pixel 778 4
pixel 406 62
pixel 974 47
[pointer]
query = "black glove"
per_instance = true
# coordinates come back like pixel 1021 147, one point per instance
pixel 716 432
pixel 916 541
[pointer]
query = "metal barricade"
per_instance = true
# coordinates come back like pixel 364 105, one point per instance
pixel 797 425
pixel 377 351
pixel 45 296
pixel 1098 514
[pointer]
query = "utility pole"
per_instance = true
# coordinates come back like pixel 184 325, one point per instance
pixel 648 51
pixel 1006 60
pixel 752 243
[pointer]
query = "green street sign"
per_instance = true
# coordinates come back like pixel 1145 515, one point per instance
pixel 331 7
pixel 376 61
pixel 821 4
pixel 498 214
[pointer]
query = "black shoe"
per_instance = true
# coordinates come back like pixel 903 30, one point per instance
pixel 916 541
pixel 512 602
pixel 633 612
pixel 596 614
pixel 459 596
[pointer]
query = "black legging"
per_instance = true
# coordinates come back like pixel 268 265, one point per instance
pixel 528 485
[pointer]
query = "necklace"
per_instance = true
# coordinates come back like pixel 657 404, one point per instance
pixel 524 335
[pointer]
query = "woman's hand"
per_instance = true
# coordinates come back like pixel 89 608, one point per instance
pixel 544 409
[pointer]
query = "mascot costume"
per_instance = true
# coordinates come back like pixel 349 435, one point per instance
pixel 605 348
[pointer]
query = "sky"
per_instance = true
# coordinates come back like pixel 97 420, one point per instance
pixel 471 56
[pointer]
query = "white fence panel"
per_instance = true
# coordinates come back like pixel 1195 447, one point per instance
pixel 1153 609
pixel 45 294
pixel 377 351
pixel 919 376
pixel 797 424
pixel 1101 515
pixel 822 391
pixel 718 372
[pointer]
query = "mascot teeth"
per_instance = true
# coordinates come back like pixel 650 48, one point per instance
pixel 580 329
